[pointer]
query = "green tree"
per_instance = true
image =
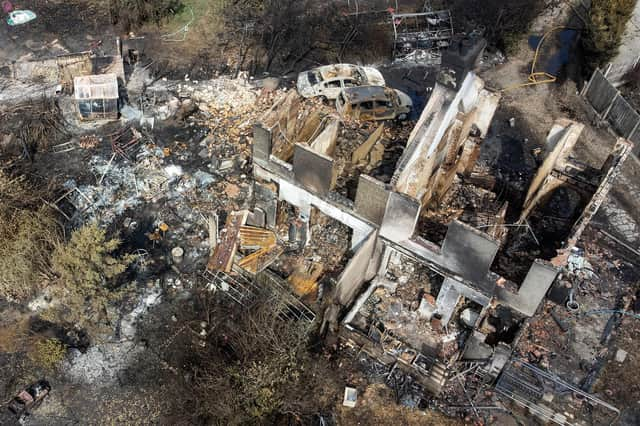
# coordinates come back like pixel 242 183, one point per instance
pixel 87 269
pixel 607 23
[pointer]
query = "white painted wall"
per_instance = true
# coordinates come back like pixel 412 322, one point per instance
pixel 304 200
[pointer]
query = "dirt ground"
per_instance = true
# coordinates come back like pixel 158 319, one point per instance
pixel 536 107
pixel 617 381
pixel 376 406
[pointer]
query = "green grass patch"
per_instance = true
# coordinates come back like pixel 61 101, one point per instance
pixel 198 12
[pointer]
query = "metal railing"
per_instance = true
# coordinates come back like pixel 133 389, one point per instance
pixel 244 290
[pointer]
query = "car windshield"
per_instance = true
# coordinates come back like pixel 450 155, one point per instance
pixel 314 77
pixel 360 76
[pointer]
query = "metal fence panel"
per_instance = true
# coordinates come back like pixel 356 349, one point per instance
pixel 623 117
pixel 600 92
pixel 610 105
pixel 635 139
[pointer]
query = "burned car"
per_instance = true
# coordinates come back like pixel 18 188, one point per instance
pixel 329 80
pixel 29 398
pixel 374 103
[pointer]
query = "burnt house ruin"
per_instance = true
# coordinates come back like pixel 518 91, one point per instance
pixel 419 291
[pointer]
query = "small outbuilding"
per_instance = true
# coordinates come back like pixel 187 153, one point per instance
pixel 97 96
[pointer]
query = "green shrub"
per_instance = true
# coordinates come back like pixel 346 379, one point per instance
pixel 28 233
pixel 48 353
pixel 511 40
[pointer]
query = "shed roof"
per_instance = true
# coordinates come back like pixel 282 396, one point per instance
pixel 104 86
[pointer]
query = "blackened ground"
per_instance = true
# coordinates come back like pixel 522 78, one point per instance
pixel 510 154
pixel 392 153
pixel 415 81
pixel 502 20
pixel 205 65
pixel 513 155
pixel 71 337
pixel 283 38
pixel 74 24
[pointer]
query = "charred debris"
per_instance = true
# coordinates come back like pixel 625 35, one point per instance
pixel 382 228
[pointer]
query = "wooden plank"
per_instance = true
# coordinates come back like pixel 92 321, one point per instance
pixel 255 238
pixel 222 259
pixel 310 129
pixel 325 142
pixel 212 224
pixel 361 152
pixel 259 260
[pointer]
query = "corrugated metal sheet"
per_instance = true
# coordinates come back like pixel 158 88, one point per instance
pixel 104 86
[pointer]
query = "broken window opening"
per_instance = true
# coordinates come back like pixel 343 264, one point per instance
pixel 350 83
pixel 504 325
pixel 85 108
pixel 365 105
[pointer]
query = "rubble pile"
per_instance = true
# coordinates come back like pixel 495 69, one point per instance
pixel 465 202
pixel 198 170
pixel 324 255
pixel 354 157
pixel 218 93
pixel 328 244
pixel 123 186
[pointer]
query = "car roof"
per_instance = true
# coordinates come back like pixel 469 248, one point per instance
pixel 366 93
pixel 329 72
